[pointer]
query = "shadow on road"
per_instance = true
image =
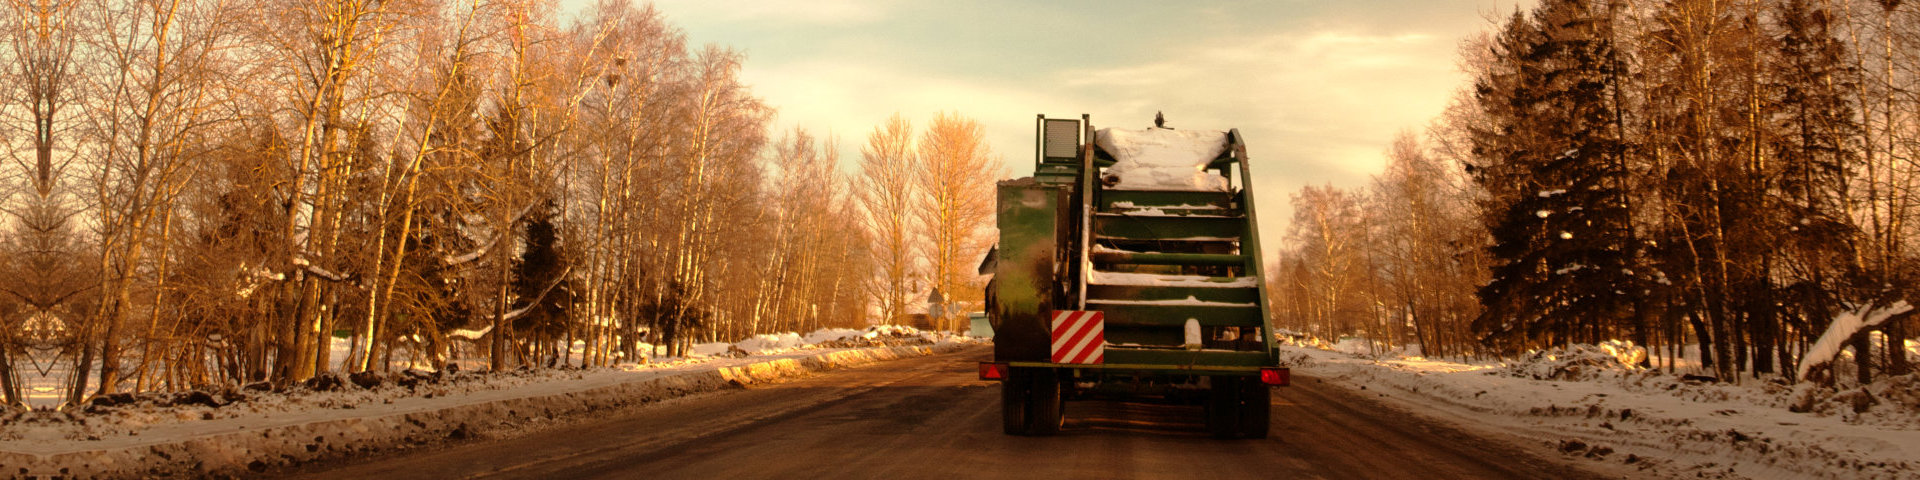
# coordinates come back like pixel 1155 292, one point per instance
pixel 1111 417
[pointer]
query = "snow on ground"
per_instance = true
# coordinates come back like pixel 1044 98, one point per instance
pixel 1585 402
pixel 1352 346
pixel 235 431
pixel 768 343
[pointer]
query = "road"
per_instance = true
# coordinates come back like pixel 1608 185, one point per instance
pixel 929 418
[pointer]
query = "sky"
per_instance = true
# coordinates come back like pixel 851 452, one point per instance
pixel 1318 88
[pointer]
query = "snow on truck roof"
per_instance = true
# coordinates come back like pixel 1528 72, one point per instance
pixel 1163 158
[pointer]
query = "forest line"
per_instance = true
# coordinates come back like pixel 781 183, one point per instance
pixel 209 193
pixel 1728 175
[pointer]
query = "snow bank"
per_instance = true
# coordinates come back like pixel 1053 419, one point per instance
pixel 1890 401
pixel 1579 362
pixel 1644 423
pixel 711 349
pixel 238 439
pixel 1163 159
pixel 826 335
pixel 1353 346
pixel 767 343
pixel 1294 338
pixel 879 335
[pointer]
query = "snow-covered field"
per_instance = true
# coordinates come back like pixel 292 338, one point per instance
pixel 236 431
pixel 1585 402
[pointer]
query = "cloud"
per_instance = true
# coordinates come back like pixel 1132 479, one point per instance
pixel 785 13
pixel 1318 88
pixel 849 99
pixel 1316 106
pixel 1332 89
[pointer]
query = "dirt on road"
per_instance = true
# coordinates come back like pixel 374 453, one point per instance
pixel 929 417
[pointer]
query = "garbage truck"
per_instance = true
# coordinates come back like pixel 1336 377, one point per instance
pixel 1128 266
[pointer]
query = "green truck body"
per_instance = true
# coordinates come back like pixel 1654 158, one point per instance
pixel 1174 276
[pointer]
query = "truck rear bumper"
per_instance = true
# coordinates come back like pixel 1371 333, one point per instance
pixel 1278 376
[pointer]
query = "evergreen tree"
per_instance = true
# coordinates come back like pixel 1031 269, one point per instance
pixel 540 284
pixel 428 299
pixel 1551 164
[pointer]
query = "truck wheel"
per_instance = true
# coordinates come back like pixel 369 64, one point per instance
pixel 1044 418
pixel 1256 409
pixel 1014 397
pixel 1224 406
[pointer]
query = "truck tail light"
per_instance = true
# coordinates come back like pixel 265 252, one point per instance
pixel 1270 376
pixel 993 371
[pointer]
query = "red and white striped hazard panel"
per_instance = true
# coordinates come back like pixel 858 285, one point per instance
pixel 1079 337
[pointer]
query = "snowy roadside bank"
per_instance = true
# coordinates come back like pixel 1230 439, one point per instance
pixel 242 437
pixel 1642 423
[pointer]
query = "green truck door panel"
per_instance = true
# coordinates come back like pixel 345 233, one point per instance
pixel 1027 275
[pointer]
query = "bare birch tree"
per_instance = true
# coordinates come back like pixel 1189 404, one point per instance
pixel 156 88
pixel 885 190
pixel 955 175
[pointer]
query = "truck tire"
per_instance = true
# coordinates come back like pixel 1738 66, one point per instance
pixel 1043 417
pixel 1224 409
pixel 1014 398
pixel 1030 402
pixel 1256 409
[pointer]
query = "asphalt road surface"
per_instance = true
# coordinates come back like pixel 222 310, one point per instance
pixel 929 417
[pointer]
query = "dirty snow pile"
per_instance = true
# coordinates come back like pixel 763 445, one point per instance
pixel 1591 403
pixel 1163 159
pixel 1579 362
pixel 1891 401
pixel 1352 346
pixel 127 413
pixel 234 430
pixel 875 336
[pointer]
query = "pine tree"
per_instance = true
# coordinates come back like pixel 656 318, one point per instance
pixel 1551 164
pixel 540 283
